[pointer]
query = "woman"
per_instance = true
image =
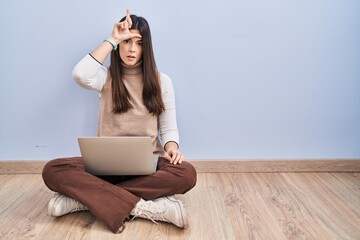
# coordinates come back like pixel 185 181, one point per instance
pixel 135 100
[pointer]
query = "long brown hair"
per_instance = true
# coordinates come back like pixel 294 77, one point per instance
pixel 152 96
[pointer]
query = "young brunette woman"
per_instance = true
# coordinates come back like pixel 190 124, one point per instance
pixel 135 100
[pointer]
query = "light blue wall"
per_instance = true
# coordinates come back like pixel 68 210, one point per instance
pixel 253 79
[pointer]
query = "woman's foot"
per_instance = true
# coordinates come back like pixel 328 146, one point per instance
pixel 60 205
pixel 166 209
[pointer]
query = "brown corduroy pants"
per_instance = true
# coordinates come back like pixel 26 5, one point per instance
pixel 112 198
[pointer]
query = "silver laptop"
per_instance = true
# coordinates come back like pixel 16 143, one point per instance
pixel 118 155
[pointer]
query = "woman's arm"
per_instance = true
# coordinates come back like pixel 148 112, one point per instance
pixel 167 122
pixel 90 74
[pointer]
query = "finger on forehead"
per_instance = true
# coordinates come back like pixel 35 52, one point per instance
pixel 136 36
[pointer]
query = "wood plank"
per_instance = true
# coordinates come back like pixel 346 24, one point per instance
pixel 351 180
pixel 249 215
pixel 208 218
pixel 207 166
pixel 333 213
pixel 343 189
pixel 294 218
pixel 27 199
pixel 12 192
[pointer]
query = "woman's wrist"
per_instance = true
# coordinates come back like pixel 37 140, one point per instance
pixel 171 145
pixel 114 39
pixel 111 41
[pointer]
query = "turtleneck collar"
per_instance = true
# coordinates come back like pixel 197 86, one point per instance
pixel 132 70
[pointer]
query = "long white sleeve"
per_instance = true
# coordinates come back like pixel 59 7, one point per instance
pixel 90 74
pixel 167 119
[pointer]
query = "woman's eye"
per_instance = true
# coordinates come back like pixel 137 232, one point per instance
pixel 140 43
pixel 127 41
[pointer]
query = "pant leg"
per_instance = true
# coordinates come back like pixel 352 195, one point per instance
pixel 109 203
pixel 168 180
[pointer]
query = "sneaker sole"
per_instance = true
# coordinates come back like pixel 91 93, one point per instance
pixel 51 206
pixel 183 211
pixel 59 211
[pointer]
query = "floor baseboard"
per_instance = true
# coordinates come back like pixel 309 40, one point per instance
pixel 208 166
pixel 263 166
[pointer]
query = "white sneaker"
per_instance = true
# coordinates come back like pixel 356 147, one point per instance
pixel 166 209
pixel 60 205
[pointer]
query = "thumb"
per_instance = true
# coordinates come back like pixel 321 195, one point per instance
pixel 132 35
pixel 167 156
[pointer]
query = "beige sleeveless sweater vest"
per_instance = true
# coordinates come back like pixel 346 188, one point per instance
pixel 137 121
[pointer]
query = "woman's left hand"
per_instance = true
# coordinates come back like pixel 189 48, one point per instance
pixel 173 154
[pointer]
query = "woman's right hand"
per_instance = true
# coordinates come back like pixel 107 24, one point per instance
pixel 121 30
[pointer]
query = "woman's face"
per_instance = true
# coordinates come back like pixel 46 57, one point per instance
pixel 130 50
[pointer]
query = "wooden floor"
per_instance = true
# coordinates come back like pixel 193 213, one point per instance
pixel 221 206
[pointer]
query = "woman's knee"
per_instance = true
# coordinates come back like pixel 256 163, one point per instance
pixel 51 168
pixel 189 177
pixel 49 173
pixel 53 171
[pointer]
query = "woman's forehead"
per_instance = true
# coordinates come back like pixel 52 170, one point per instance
pixel 135 31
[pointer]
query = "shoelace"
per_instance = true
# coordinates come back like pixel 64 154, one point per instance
pixel 79 207
pixel 153 209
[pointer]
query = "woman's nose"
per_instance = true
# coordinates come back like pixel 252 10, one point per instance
pixel 132 48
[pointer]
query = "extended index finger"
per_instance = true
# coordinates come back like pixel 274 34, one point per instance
pixel 128 18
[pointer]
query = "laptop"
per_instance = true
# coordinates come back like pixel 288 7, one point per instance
pixel 118 155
